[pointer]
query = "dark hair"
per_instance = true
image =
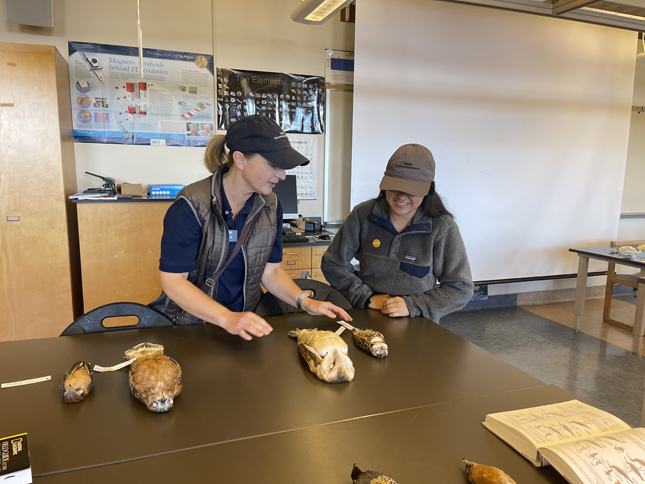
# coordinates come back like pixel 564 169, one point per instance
pixel 431 205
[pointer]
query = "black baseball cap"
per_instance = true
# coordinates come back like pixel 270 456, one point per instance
pixel 261 135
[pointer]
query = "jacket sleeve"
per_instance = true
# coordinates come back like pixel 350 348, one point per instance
pixel 452 270
pixel 337 265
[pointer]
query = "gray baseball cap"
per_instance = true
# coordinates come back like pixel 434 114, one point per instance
pixel 410 169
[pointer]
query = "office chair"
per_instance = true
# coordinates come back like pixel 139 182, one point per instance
pixel 92 322
pixel 270 305
pixel 629 280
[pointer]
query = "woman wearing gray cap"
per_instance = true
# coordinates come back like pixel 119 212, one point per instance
pixel 405 241
pixel 221 238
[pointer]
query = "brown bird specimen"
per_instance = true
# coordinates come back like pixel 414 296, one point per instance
pixel 371 341
pixel 77 382
pixel 155 378
pixel 370 477
pixel 325 353
pixel 481 474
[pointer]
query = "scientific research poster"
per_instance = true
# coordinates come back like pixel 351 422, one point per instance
pixel 296 103
pixel 172 104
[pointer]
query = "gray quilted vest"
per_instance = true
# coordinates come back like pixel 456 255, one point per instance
pixel 204 199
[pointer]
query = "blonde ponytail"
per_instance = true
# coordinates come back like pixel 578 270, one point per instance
pixel 216 154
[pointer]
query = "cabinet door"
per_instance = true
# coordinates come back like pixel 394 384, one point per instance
pixel 132 246
pixel 316 256
pixel 317 275
pixel 34 248
pixel 296 258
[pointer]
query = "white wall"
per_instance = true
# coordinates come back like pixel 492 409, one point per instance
pixel 528 119
pixel 249 34
pixel 633 199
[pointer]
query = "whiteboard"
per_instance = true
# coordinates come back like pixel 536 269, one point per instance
pixel 527 118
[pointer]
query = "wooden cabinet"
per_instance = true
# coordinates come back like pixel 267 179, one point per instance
pixel 120 244
pixel 303 262
pixel 39 261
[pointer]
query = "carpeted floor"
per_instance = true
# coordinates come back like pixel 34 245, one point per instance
pixel 600 373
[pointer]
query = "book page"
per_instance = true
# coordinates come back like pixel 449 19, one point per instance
pixel 609 459
pixel 561 422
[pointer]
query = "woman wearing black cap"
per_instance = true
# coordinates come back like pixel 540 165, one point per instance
pixel 206 275
pixel 405 241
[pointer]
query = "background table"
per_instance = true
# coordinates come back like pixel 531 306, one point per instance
pixel 239 393
pixel 608 254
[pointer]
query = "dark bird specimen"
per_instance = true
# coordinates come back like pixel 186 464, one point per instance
pixel 77 382
pixel 370 477
pixel 481 474
pixel 155 378
pixel 325 353
pixel 370 341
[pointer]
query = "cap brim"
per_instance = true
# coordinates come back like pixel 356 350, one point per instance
pixel 416 188
pixel 286 159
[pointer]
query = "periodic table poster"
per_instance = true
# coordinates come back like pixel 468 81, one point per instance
pixel 307 146
pixel 295 102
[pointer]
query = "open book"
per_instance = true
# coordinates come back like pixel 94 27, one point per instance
pixel 584 444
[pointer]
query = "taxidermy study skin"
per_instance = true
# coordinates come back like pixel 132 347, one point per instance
pixel 325 353
pixel 371 341
pixel 481 474
pixel 155 378
pixel 370 477
pixel 77 382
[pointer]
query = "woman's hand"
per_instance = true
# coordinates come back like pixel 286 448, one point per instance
pixel 324 308
pixel 377 302
pixel 395 307
pixel 245 325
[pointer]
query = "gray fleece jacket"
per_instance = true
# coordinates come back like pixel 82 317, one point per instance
pixel 406 264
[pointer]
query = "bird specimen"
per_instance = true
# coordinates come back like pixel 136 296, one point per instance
pixel 155 378
pixel 77 382
pixel 481 474
pixel 325 353
pixel 370 341
pixel 370 477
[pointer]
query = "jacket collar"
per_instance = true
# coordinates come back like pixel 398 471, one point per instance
pixel 216 190
pixel 381 215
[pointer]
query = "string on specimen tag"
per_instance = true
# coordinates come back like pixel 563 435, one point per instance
pixel 113 368
pixel 26 382
pixel 346 324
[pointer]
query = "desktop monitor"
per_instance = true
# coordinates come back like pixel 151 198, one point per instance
pixel 287 193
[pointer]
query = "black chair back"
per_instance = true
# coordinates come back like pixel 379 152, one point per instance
pixel 270 305
pixel 92 322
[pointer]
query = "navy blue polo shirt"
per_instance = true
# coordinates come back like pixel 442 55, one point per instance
pixel 180 245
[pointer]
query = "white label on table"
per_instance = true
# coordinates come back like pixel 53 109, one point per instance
pixel 340 330
pixel 26 382
pixel 113 368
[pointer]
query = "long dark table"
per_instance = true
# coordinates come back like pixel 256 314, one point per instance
pixel 239 393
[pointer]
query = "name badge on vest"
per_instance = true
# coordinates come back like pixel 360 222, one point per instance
pixel 232 235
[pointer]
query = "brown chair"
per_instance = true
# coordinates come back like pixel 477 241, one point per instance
pixel 629 280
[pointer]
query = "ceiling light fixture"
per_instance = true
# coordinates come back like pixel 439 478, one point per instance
pixel 317 12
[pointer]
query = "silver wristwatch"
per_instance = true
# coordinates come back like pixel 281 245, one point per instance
pixel 300 299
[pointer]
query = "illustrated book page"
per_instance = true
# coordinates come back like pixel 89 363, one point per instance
pixel 529 429
pixel 617 458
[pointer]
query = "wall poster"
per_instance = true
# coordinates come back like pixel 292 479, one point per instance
pixel 173 104
pixel 296 103
pixel 306 179
pixel 339 66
